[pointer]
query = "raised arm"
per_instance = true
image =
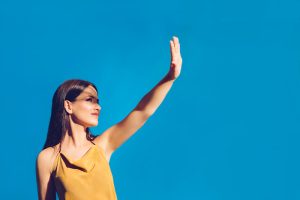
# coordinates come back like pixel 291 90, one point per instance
pixel 117 134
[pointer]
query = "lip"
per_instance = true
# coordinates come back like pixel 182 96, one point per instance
pixel 96 114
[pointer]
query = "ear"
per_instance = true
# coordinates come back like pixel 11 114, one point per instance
pixel 68 106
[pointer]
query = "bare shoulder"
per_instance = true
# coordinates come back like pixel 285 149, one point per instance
pixel 46 157
pixel 44 162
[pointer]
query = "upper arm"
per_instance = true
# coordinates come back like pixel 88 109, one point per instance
pixel 46 188
pixel 116 135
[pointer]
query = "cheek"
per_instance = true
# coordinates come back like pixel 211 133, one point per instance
pixel 83 109
pixel 82 115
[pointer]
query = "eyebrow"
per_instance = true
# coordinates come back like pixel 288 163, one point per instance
pixel 91 95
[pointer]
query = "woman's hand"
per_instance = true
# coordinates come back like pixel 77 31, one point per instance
pixel 176 60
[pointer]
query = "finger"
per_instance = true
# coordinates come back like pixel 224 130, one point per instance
pixel 176 43
pixel 172 48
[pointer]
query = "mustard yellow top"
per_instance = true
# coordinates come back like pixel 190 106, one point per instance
pixel 88 178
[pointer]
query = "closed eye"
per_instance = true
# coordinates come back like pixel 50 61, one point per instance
pixel 92 99
pixel 89 99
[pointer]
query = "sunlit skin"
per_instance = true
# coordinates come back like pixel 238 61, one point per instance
pixel 82 115
pixel 176 60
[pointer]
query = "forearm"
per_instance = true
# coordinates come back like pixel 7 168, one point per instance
pixel 151 101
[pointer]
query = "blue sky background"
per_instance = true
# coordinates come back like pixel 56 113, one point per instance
pixel 228 128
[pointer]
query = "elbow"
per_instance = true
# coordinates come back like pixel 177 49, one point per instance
pixel 146 111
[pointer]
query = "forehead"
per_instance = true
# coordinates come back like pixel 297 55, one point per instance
pixel 89 91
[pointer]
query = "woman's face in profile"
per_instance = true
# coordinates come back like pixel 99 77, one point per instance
pixel 86 108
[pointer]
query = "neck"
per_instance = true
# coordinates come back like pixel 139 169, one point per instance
pixel 75 136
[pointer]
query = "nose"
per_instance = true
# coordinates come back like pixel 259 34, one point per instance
pixel 98 107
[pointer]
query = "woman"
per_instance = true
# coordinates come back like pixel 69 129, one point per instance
pixel 74 163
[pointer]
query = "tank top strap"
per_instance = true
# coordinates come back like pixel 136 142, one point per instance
pixel 55 162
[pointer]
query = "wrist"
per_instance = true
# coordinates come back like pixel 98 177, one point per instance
pixel 170 77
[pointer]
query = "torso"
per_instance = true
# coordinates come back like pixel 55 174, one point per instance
pixel 75 155
pixel 87 165
pixel 53 152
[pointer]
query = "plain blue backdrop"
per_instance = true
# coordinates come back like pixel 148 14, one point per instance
pixel 227 130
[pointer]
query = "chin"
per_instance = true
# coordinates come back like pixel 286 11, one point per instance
pixel 91 124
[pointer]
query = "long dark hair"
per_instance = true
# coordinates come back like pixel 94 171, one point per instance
pixel 59 121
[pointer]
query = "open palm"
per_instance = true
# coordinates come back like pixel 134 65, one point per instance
pixel 176 60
